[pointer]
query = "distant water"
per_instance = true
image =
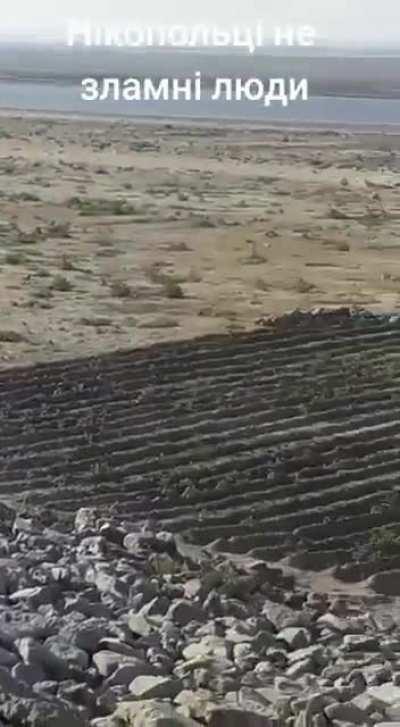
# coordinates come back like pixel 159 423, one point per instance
pixel 65 99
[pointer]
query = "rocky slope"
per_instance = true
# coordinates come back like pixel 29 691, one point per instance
pixel 107 624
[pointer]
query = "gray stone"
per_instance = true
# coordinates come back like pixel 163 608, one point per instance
pixel 78 693
pixel 7 658
pixel 155 687
pixel 208 646
pixel 133 543
pixel 11 685
pixel 194 704
pixel 56 713
pixel 36 596
pixel 32 652
pixel 213 666
pixel 158 606
pixel 346 712
pixel 28 673
pixel 108 583
pixel 360 642
pixel 25 525
pixel 287 686
pixel 46 688
pixel 387 693
pixel 50 712
pixel 55 658
pixel 118 647
pixel 230 715
pixel 385 582
pixel 108 661
pixel 151 713
pixel 311 704
pixel 299 668
pixel 315 652
pixel 4 581
pixel 244 656
pixel 368 703
pixel 67 653
pixel 294 637
pixel 86 634
pixel 85 519
pixel 107 698
pixel 138 624
pixel 15 624
pixel 393 712
pixel 122 676
pixel 239 634
pixel 92 547
pixel 80 604
pixel 182 612
pixel 334 623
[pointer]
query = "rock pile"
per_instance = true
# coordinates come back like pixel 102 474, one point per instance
pixel 114 624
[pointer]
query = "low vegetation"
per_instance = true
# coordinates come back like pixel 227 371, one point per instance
pixel 94 207
pixel 61 284
pixel 385 542
pixel 119 289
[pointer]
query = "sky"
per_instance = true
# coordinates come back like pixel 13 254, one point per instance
pixel 334 20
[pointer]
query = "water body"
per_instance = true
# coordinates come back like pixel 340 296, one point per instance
pixel 66 99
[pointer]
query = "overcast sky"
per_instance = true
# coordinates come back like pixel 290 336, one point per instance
pixel 358 20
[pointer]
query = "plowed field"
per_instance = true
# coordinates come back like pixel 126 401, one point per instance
pixel 271 441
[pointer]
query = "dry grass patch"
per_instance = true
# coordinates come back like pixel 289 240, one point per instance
pixel 15 258
pixel 120 289
pixel 303 286
pixel 12 337
pixel 172 289
pixel 96 322
pixel 94 207
pixel 61 284
pixel 262 285
pixel 170 284
pixel 66 263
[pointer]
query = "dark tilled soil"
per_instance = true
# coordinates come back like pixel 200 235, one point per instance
pixel 283 439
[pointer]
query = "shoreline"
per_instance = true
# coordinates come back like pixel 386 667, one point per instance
pixel 271 126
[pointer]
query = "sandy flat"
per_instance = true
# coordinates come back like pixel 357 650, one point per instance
pixel 117 235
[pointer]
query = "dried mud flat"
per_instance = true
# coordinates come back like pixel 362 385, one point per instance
pixel 117 235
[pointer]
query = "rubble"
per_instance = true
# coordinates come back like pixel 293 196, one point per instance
pixel 145 648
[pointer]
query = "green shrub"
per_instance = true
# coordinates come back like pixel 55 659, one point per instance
pixel 385 542
pixel 63 285
pixel 172 288
pixel 14 258
pixel 120 289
